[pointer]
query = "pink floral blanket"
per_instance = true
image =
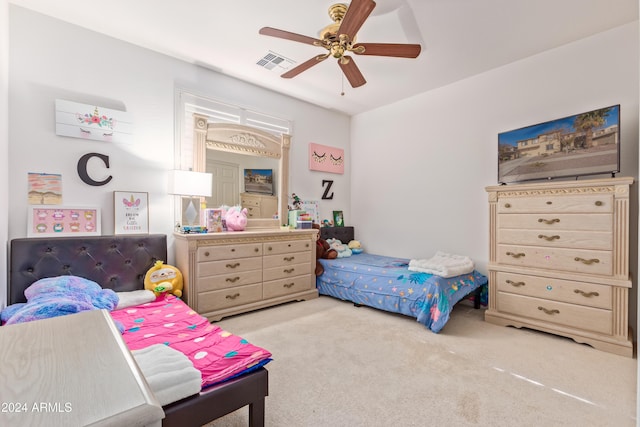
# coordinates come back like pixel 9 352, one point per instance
pixel 219 355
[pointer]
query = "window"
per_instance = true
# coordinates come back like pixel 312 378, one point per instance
pixel 218 112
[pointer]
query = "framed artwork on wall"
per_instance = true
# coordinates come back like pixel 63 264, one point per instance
pixel 58 221
pixel 131 212
pixel 326 159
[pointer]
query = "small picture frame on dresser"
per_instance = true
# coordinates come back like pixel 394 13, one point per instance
pixel 338 219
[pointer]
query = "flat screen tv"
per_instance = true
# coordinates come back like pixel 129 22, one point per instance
pixel 258 181
pixel 583 144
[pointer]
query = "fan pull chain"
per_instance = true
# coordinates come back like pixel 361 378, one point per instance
pixel 342 93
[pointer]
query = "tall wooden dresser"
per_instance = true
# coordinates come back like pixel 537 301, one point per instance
pixel 235 272
pixel 559 260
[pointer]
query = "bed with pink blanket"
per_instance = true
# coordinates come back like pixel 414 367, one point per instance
pixel 232 370
pixel 218 354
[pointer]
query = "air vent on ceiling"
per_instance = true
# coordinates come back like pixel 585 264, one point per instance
pixel 274 61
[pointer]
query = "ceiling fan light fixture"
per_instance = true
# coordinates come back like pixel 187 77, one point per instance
pixel 339 38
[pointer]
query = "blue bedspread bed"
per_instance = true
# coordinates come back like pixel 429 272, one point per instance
pixel 386 283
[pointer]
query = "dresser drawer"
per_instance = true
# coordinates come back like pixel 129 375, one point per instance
pixel 574 260
pixel 213 253
pixel 287 246
pixel 276 288
pixel 286 259
pixel 285 271
pixel 250 202
pixel 213 268
pixel 252 212
pixel 591 222
pixel 558 238
pixel 557 204
pixel 216 300
pixel 581 293
pixel 560 313
pixel 223 281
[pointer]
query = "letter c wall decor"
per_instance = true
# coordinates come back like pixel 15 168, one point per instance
pixel 84 174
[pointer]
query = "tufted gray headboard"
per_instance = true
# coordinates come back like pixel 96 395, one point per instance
pixel 115 262
pixel 344 234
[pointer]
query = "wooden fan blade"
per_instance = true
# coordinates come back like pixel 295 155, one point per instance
pixel 281 34
pixel 304 66
pixel 388 49
pixel 351 71
pixel 357 13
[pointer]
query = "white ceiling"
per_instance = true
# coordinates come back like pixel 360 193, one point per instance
pixel 459 38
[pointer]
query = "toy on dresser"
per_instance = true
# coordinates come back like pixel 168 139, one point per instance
pixel 236 219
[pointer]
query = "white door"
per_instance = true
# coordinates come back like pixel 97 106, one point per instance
pixel 226 184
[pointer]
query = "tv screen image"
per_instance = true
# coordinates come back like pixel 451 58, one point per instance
pixel 258 181
pixel 583 144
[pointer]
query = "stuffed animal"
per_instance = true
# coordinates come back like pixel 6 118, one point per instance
pixel 355 247
pixel 323 250
pixel 58 296
pixel 161 278
pixel 236 218
pixel 342 249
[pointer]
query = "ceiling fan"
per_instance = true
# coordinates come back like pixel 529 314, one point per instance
pixel 339 38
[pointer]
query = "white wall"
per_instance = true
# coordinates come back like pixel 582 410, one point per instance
pixel 419 167
pixel 82 66
pixel 4 140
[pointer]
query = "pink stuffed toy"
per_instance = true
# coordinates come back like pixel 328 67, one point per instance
pixel 236 219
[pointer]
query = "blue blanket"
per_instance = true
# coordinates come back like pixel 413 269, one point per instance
pixel 58 296
pixel 386 283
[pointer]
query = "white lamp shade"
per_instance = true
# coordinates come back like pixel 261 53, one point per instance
pixel 189 183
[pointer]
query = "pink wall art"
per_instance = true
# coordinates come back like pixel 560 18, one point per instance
pixel 326 159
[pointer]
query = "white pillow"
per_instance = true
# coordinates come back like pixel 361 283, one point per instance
pixel 128 299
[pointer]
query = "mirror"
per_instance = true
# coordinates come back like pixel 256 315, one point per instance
pixel 221 146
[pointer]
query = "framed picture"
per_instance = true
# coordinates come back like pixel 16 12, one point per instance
pixel 325 158
pixel 338 219
pixel 130 212
pixel 52 221
pixel 311 207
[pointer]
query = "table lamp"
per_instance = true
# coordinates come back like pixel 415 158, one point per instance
pixel 191 186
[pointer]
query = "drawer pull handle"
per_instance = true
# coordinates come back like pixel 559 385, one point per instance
pixel 233 249
pixel 289 258
pixel 548 238
pixel 234 265
pixel 288 285
pixel 599 203
pixel 289 270
pixel 307 245
pixel 516 255
pixel 587 261
pixel 547 311
pixel 233 279
pixel 512 283
pixel 206 253
pixel 256 250
pixel 234 296
pixel 269 248
pixel 548 221
pixel 549 203
pixel 586 294
pixel 507 205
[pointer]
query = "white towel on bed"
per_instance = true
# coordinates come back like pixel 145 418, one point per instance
pixel 443 264
pixel 169 373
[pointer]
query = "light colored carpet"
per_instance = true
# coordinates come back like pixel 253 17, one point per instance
pixel 340 365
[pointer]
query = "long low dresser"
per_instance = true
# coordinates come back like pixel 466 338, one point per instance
pixel 234 272
pixel 559 260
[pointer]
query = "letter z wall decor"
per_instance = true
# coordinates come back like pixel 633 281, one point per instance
pixel 326 159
